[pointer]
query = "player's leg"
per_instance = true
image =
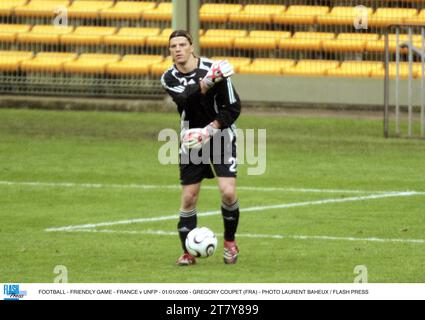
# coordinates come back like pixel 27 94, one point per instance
pixel 225 165
pixel 230 212
pixel 229 206
pixel 188 219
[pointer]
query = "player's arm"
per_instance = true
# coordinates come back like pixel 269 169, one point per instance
pixel 229 104
pixel 229 111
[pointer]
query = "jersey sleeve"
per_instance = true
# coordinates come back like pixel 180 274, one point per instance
pixel 182 95
pixel 229 104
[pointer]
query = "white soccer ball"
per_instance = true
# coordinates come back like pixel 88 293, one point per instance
pixel 201 242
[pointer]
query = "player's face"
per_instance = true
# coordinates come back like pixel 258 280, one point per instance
pixel 181 50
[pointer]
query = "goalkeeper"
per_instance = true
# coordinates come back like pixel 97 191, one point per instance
pixel 209 106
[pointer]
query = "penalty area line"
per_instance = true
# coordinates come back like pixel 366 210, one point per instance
pixel 261 236
pixel 243 210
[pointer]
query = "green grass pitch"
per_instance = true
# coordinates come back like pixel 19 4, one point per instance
pixel 109 157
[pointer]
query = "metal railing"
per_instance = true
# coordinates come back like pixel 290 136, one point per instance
pixel 409 65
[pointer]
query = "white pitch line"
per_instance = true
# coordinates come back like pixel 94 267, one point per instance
pixel 262 236
pixel 251 209
pixel 177 187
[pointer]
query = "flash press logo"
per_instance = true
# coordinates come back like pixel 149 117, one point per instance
pixel 13 292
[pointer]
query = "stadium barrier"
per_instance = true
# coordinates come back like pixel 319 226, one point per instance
pixel 412 47
pixel 119 48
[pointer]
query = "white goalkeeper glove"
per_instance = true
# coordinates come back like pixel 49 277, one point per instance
pixel 219 70
pixel 196 138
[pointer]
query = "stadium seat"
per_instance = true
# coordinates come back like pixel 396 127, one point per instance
pixel 306 41
pixel 253 13
pixel 342 16
pixel 236 62
pixel 10 61
pixel 157 69
pixel 127 10
pixel 352 42
pixel 160 40
pixel 219 38
pixel 134 65
pixel 388 16
pixel 131 36
pixel 210 12
pixel 163 12
pixel 267 66
pixel 44 34
pixel 90 63
pixel 356 69
pixel 9 32
pixel 50 62
pixel 379 45
pixel 41 8
pixel 403 71
pixel 419 19
pixel 261 40
pixel 87 35
pixel 311 68
pixel 301 14
pixel 85 9
pixel 7 6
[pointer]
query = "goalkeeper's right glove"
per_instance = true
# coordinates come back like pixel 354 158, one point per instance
pixel 196 138
pixel 219 70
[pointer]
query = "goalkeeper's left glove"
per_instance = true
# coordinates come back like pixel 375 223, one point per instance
pixel 219 70
pixel 196 138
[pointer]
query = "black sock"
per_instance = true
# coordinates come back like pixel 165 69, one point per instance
pixel 187 223
pixel 231 220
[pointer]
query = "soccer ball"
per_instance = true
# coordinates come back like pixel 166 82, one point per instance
pixel 201 242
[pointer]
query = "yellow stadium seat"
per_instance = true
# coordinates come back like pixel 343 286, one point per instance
pixel 41 8
pixel 236 62
pixel 9 32
pixel 352 42
pixel 261 40
pixel 218 12
pixel 10 61
pixel 267 66
pixel 306 41
pixel 379 45
pixel 91 63
pixel 388 16
pixel 158 69
pixel 88 9
pixel 44 34
pixel 403 71
pixel 131 36
pixel 87 35
pixel 419 19
pixel 51 62
pixel 253 13
pixel 127 10
pixel 164 12
pixel 343 16
pixel 161 40
pixel 7 6
pixel 301 14
pixel 219 38
pixel 311 68
pixel 134 65
pixel 356 69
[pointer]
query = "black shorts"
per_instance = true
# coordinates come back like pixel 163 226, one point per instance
pixel 216 158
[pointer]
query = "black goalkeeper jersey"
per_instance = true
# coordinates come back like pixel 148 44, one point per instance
pixel 220 103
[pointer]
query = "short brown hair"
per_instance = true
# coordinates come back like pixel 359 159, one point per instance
pixel 181 33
